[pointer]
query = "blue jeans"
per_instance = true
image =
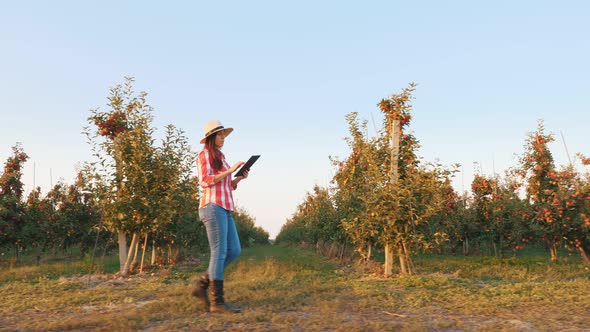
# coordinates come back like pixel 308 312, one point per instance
pixel 223 238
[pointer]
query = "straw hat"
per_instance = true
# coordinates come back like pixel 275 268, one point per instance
pixel 214 126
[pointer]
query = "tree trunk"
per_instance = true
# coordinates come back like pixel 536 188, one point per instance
pixel 38 251
pixel 466 247
pixel 369 251
pixel 153 259
pixel 122 249
pixel 134 261
pixel 175 254
pixel 553 253
pixel 132 246
pixel 94 249
pixel 402 261
pixel 172 254
pixel 388 260
pixel 476 248
pixel 553 250
pixel 409 263
pixel 585 255
pixel 143 253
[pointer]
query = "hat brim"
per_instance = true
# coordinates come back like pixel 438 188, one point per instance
pixel 227 132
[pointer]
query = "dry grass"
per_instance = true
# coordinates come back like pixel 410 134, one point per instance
pixel 282 289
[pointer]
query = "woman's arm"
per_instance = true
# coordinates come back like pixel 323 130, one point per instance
pixel 225 173
pixel 204 170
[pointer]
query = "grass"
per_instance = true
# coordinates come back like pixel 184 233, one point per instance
pixel 283 289
pixel 56 268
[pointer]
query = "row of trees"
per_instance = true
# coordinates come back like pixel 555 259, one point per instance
pixel 133 190
pixel 63 218
pixel 383 195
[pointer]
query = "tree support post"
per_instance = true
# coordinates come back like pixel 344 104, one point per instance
pixel 395 138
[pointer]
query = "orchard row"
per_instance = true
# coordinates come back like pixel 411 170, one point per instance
pixel 384 195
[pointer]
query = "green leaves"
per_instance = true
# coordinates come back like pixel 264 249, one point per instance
pixel 11 205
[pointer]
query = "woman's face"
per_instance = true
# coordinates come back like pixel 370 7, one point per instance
pixel 219 139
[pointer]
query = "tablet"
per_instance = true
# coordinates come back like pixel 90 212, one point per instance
pixel 247 165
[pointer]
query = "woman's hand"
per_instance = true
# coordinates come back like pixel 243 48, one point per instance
pixel 234 182
pixel 236 166
pixel 244 175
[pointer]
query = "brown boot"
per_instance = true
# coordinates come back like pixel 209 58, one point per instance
pixel 218 304
pixel 200 290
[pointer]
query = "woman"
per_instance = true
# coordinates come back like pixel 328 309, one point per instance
pixel 215 210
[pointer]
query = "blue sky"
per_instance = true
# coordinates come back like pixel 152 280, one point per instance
pixel 284 75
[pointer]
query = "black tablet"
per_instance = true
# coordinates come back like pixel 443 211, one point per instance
pixel 247 165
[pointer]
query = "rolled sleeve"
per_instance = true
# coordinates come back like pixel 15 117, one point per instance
pixel 204 170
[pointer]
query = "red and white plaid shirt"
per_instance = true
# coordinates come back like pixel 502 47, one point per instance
pixel 219 193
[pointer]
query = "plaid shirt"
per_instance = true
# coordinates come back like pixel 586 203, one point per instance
pixel 219 193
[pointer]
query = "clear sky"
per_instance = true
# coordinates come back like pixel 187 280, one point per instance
pixel 285 74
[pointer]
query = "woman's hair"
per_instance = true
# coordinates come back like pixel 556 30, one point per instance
pixel 214 152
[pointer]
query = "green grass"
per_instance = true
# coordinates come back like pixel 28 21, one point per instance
pixel 56 268
pixel 283 289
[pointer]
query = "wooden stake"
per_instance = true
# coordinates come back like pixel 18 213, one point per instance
pixel 566 150
pixel 395 137
pixel 143 252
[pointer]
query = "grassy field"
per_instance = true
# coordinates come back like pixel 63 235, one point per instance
pixel 282 289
